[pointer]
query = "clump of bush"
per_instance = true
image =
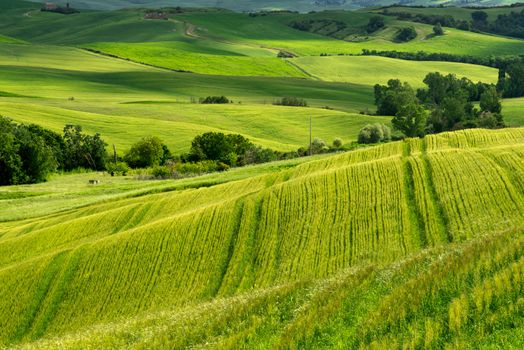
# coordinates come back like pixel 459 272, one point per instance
pixel 375 23
pixel 374 133
pixel 405 34
pixel 148 152
pixel 215 100
pixel 291 101
pixel 118 168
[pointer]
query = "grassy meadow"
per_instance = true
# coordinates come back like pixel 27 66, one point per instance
pixel 370 70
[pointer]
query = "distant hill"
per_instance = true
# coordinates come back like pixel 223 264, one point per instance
pixel 295 5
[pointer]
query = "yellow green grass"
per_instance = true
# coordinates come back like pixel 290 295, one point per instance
pixel 243 29
pixel 173 55
pixel 370 70
pixel 310 255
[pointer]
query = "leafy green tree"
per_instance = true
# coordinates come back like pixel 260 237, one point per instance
pixel 228 149
pixel 405 34
pixel 389 98
pixel 375 23
pixel 147 152
pixel 411 120
pixel 437 29
pixel 511 80
pixel 490 101
pixel 24 155
pixel 480 19
pixel 83 151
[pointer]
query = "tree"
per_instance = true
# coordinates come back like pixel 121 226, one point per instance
pixel 228 149
pixel 83 151
pixel 410 120
pixel 437 29
pixel 405 34
pixel 479 16
pixel 375 23
pixel 490 101
pixel 511 80
pixel 389 98
pixel 145 153
pixel 337 143
pixel 24 155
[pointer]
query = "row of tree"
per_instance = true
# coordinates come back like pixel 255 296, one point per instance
pixel 446 104
pixel 29 153
pixel 510 24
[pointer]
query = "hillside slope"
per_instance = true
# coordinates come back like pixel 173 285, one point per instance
pixel 248 263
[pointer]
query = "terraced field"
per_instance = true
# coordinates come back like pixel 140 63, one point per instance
pixel 261 254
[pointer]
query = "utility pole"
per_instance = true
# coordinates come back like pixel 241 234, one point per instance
pixel 310 135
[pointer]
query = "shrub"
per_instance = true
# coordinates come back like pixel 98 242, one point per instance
pixel 145 153
pixel 374 133
pixel 119 168
pixel 319 146
pixel 337 143
pixel 291 101
pixel 215 100
pixel 405 34
pixel 437 30
pixel 375 23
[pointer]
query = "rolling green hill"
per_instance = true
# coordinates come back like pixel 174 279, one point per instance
pixel 253 5
pixel 414 243
pixel 371 70
pixel 456 12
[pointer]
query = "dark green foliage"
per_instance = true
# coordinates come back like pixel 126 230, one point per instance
pixel 375 23
pixel 405 34
pixel 391 97
pixel 511 24
pixel 410 120
pixel 449 99
pixel 511 80
pixel 490 61
pixel 437 29
pixel 24 155
pixel 83 151
pixel 291 101
pixel 480 19
pixel 328 27
pixel 148 152
pixel 374 133
pixel 215 100
pixel 118 168
pixel 228 149
pixel 490 101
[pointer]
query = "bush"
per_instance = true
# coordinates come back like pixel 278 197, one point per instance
pixel 24 156
pixel 291 101
pixel 437 30
pixel 319 146
pixel 337 143
pixel 215 100
pixel 119 168
pixel 405 34
pixel 375 23
pixel 374 133
pixel 145 153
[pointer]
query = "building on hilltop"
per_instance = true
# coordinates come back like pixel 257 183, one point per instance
pixel 156 15
pixel 52 7
pixel 49 6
